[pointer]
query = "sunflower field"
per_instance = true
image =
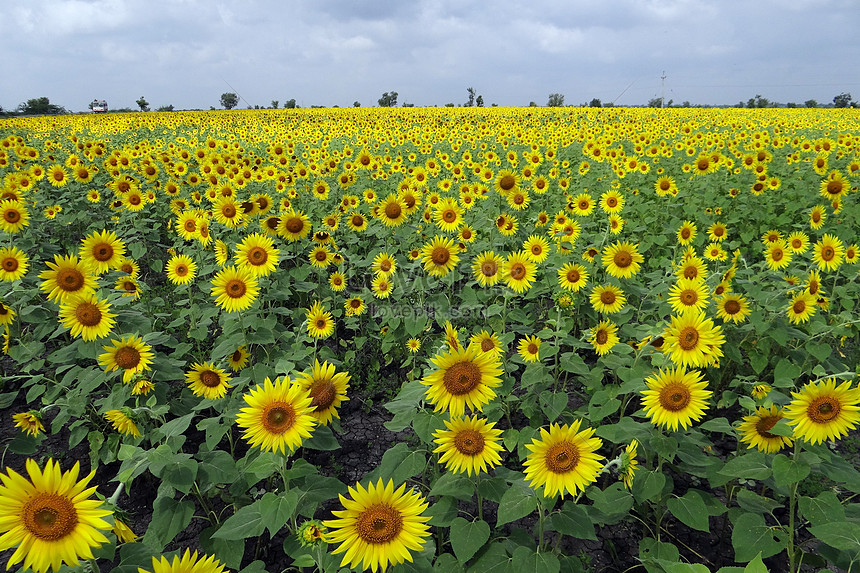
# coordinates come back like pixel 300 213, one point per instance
pixel 573 340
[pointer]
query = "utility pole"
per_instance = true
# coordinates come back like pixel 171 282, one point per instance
pixel 663 90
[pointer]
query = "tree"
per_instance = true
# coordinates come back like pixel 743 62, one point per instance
pixel 555 100
pixel 842 100
pixel 290 104
pixel 229 100
pixel 449 105
pixel 532 104
pixel 40 106
pixel 388 99
pixel 595 103
pixel 758 101
pixel 275 104
pixel 471 101
pixel 810 103
pixel 142 104
pixel 356 104
pixel 165 108
pixel 480 101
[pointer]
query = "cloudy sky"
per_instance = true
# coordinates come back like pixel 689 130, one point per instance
pixel 335 52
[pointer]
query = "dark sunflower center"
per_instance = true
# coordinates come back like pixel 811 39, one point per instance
pixel 10 264
pixel 824 409
pixel 487 345
pixel 393 210
pixel 135 199
pixel 385 266
pixel 688 297
pixel 449 216
pixel 278 417
pixel 88 314
pixel 295 224
pixel 540 184
pixel 440 256
pixel 257 256
pixel 12 216
pixel 379 523
pixel 763 426
pixel 102 252
pixel 834 187
pixel 229 211
pixel 685 233
pixel 607 297
pixel 688 339
pixel 799 306
pixel 210 379
pixel 532 348
pixel 674 397
pixel 357 220
pixel 602 336
pixel 518 271
pixel 462 378
pixel 573 276
pixel 584 205
pixel 507 182
pixel 322 393
pixel 49 516
pixel 776 254
pixel 235 288
pixel 190 225
pixel 469 442
pixel 127 357
pixel 622 259
pixel 732 307
pixel 272 223
pixel 489 268
pixel 321 255
pixel 562 457
pixel 816 216
pixel 828 253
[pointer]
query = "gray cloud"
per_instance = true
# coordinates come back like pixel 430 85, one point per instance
pixel 333 52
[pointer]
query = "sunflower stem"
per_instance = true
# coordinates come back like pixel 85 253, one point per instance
pixel 792 504
pixel 480 497
pixel 116 493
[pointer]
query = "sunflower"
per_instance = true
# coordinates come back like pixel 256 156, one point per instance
pixel 379 526
pixel 384 264
pixel 834 186
pixel 692 268
pixel 439 256
pixel 536 248
pixel 320 189
pixel 356 221
pixel 50 518
pixel 413 345
pixel 129 354
pixel 188 225
pixel 518 271
pixel 448 215
pixel 628 464
pixel 464 377
pixel 689 294
pixel 664 186
pixel 392 211
pixel 205 380
pixel 102 251
pixel 294 225
pixel 320 323
pixel 714 252
pixel 582 205
pixel 29 422
pixel 228 212
pixel 813 283
pixel 717 232
pixel 817 216
pixel 13 216
pixel 122 423
pixel 222 253
pixel 506 182
pixel 13 263
pixel 777 255
pixel 354 306
pixel 529 348
pixel 675 397
pixel 755 430
pixel 563 459
pixel 802 307
pixel 181 269
pixel 486 342
pixel 607 299
pixel 686 233
pixel 239 359
pixel 337 281
pixel 572 277
pixel 87 316
pixel 692 339
pixel 452 337
pixel 327 389
pixel 487 268
pixel 57 176
pixel 622 260
pixel 142 387
pixel 828 252
pixel 468 445
pixel 612 201
pixel 381 287
pixel 604 336
pixel 234 289
pixel 257 253
pixel 278 416
pixel 824 411
pixel 189 563
pixel 732 307
pixel 797 242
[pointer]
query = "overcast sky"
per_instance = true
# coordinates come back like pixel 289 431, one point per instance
pixel 334 52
